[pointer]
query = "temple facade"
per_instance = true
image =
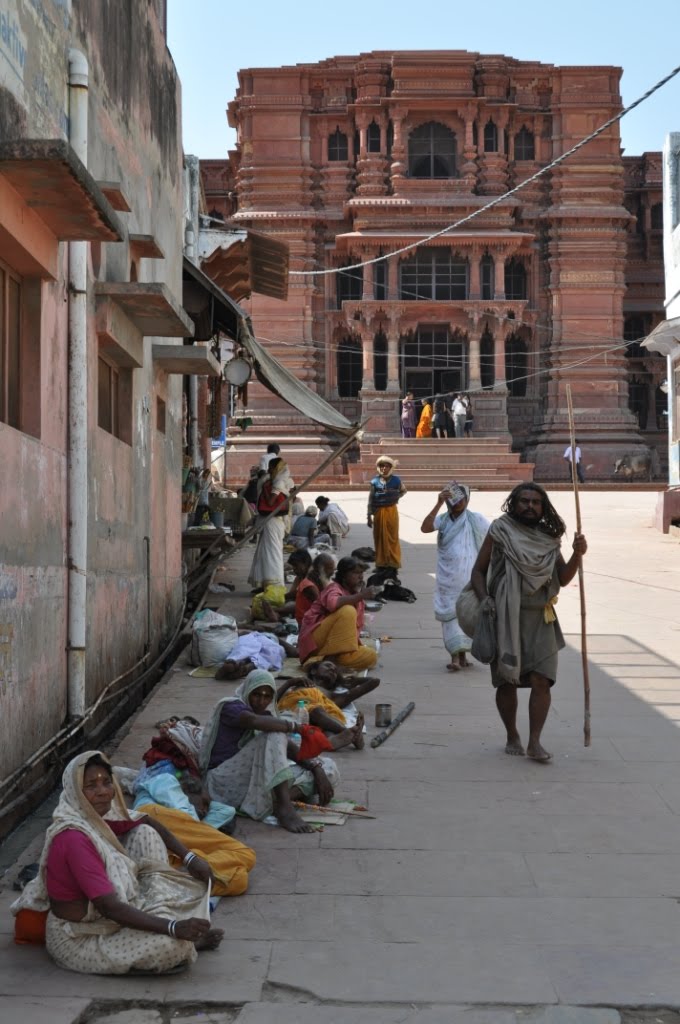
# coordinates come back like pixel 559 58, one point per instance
pixel 355 162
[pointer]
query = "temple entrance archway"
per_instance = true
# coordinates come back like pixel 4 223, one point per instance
pixel 434 361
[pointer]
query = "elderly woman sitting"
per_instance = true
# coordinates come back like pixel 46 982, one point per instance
pixel 246 758
pixel 105 915
pixel 332 626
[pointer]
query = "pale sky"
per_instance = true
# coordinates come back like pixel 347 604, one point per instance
pixel 210 40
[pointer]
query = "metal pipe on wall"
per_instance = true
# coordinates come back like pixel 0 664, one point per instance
pixel 77 411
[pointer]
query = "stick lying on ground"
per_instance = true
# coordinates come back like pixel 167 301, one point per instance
pixel 396 722
pixel 331 809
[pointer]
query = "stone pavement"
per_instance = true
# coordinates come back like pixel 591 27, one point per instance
pixel 489 889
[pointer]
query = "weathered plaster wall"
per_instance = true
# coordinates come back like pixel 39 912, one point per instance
pixel 135 139
pixel 134 490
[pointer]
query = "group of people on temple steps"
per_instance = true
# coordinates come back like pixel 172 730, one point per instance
pixel 439 417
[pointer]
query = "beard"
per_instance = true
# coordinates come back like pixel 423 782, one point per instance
pixel 528 518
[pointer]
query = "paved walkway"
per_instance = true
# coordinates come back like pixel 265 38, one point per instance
pixel 488 889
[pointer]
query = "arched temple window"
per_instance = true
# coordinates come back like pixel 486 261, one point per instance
pixel 337 146
pixel 515 279
pixel 486 359
pixel 373 138
pixel 487 276
pixel 349 283
pixel 380 362
pixel 490 137
pixel 657 217
pixel 432 151
pixel 516 363
pixel 349 367
pixel 434 274
pixel 525 148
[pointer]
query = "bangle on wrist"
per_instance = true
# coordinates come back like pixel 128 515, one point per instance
pixel 172 928
pixel 188 858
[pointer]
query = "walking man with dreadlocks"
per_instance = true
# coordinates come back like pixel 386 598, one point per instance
pixel 520 568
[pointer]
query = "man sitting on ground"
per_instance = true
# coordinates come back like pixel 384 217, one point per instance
pixel 305 529
pixel 333 519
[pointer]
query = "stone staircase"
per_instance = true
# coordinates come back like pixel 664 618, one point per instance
pixel 425 465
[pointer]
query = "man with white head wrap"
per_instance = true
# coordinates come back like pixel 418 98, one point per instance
pixel 460 534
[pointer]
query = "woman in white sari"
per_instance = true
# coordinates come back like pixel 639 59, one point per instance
pixel 273 495
pixel 460 534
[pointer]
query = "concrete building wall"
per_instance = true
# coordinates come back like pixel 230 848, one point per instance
pixel 134 484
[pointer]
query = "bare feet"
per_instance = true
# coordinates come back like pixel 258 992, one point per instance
pixel 514 747
pixel 358 731
pixel 453 666
pixel 537 753
pixel 463 662
pixel 210 940
pixel 289 819
pixel 342 739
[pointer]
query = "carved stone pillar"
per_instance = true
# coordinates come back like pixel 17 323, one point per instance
pixel 392 279
pixel 367 292
pixel 393 355
pixel 368 376
pixel 499 362
pixel 469 168
pixel 475 382
pixel 398 166
pixel 499 269
pixel 475 289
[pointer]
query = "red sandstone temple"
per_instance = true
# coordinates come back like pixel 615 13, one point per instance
pixel 355 157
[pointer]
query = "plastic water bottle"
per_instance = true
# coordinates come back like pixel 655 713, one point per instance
pixel 301 713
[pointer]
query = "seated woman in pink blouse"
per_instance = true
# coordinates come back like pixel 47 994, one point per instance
pixel 106 916
pixel 331 629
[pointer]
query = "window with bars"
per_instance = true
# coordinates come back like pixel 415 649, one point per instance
pixel 434 274
pixel 380 362
pixel 10 348
pixel 490 137
pixel 373 138
pixel 515 279
pixel 350 368
pixel 657 217
pixel 337 146
pixel 525 148
pixel 516 363
pixel 349 284
pixel 432 151
pixel 380 280
pixel 487 275
pixel 635 329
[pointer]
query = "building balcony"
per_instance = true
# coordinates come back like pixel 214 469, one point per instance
pixel 410 312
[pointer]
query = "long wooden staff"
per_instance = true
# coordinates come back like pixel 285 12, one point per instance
pixel 581 584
